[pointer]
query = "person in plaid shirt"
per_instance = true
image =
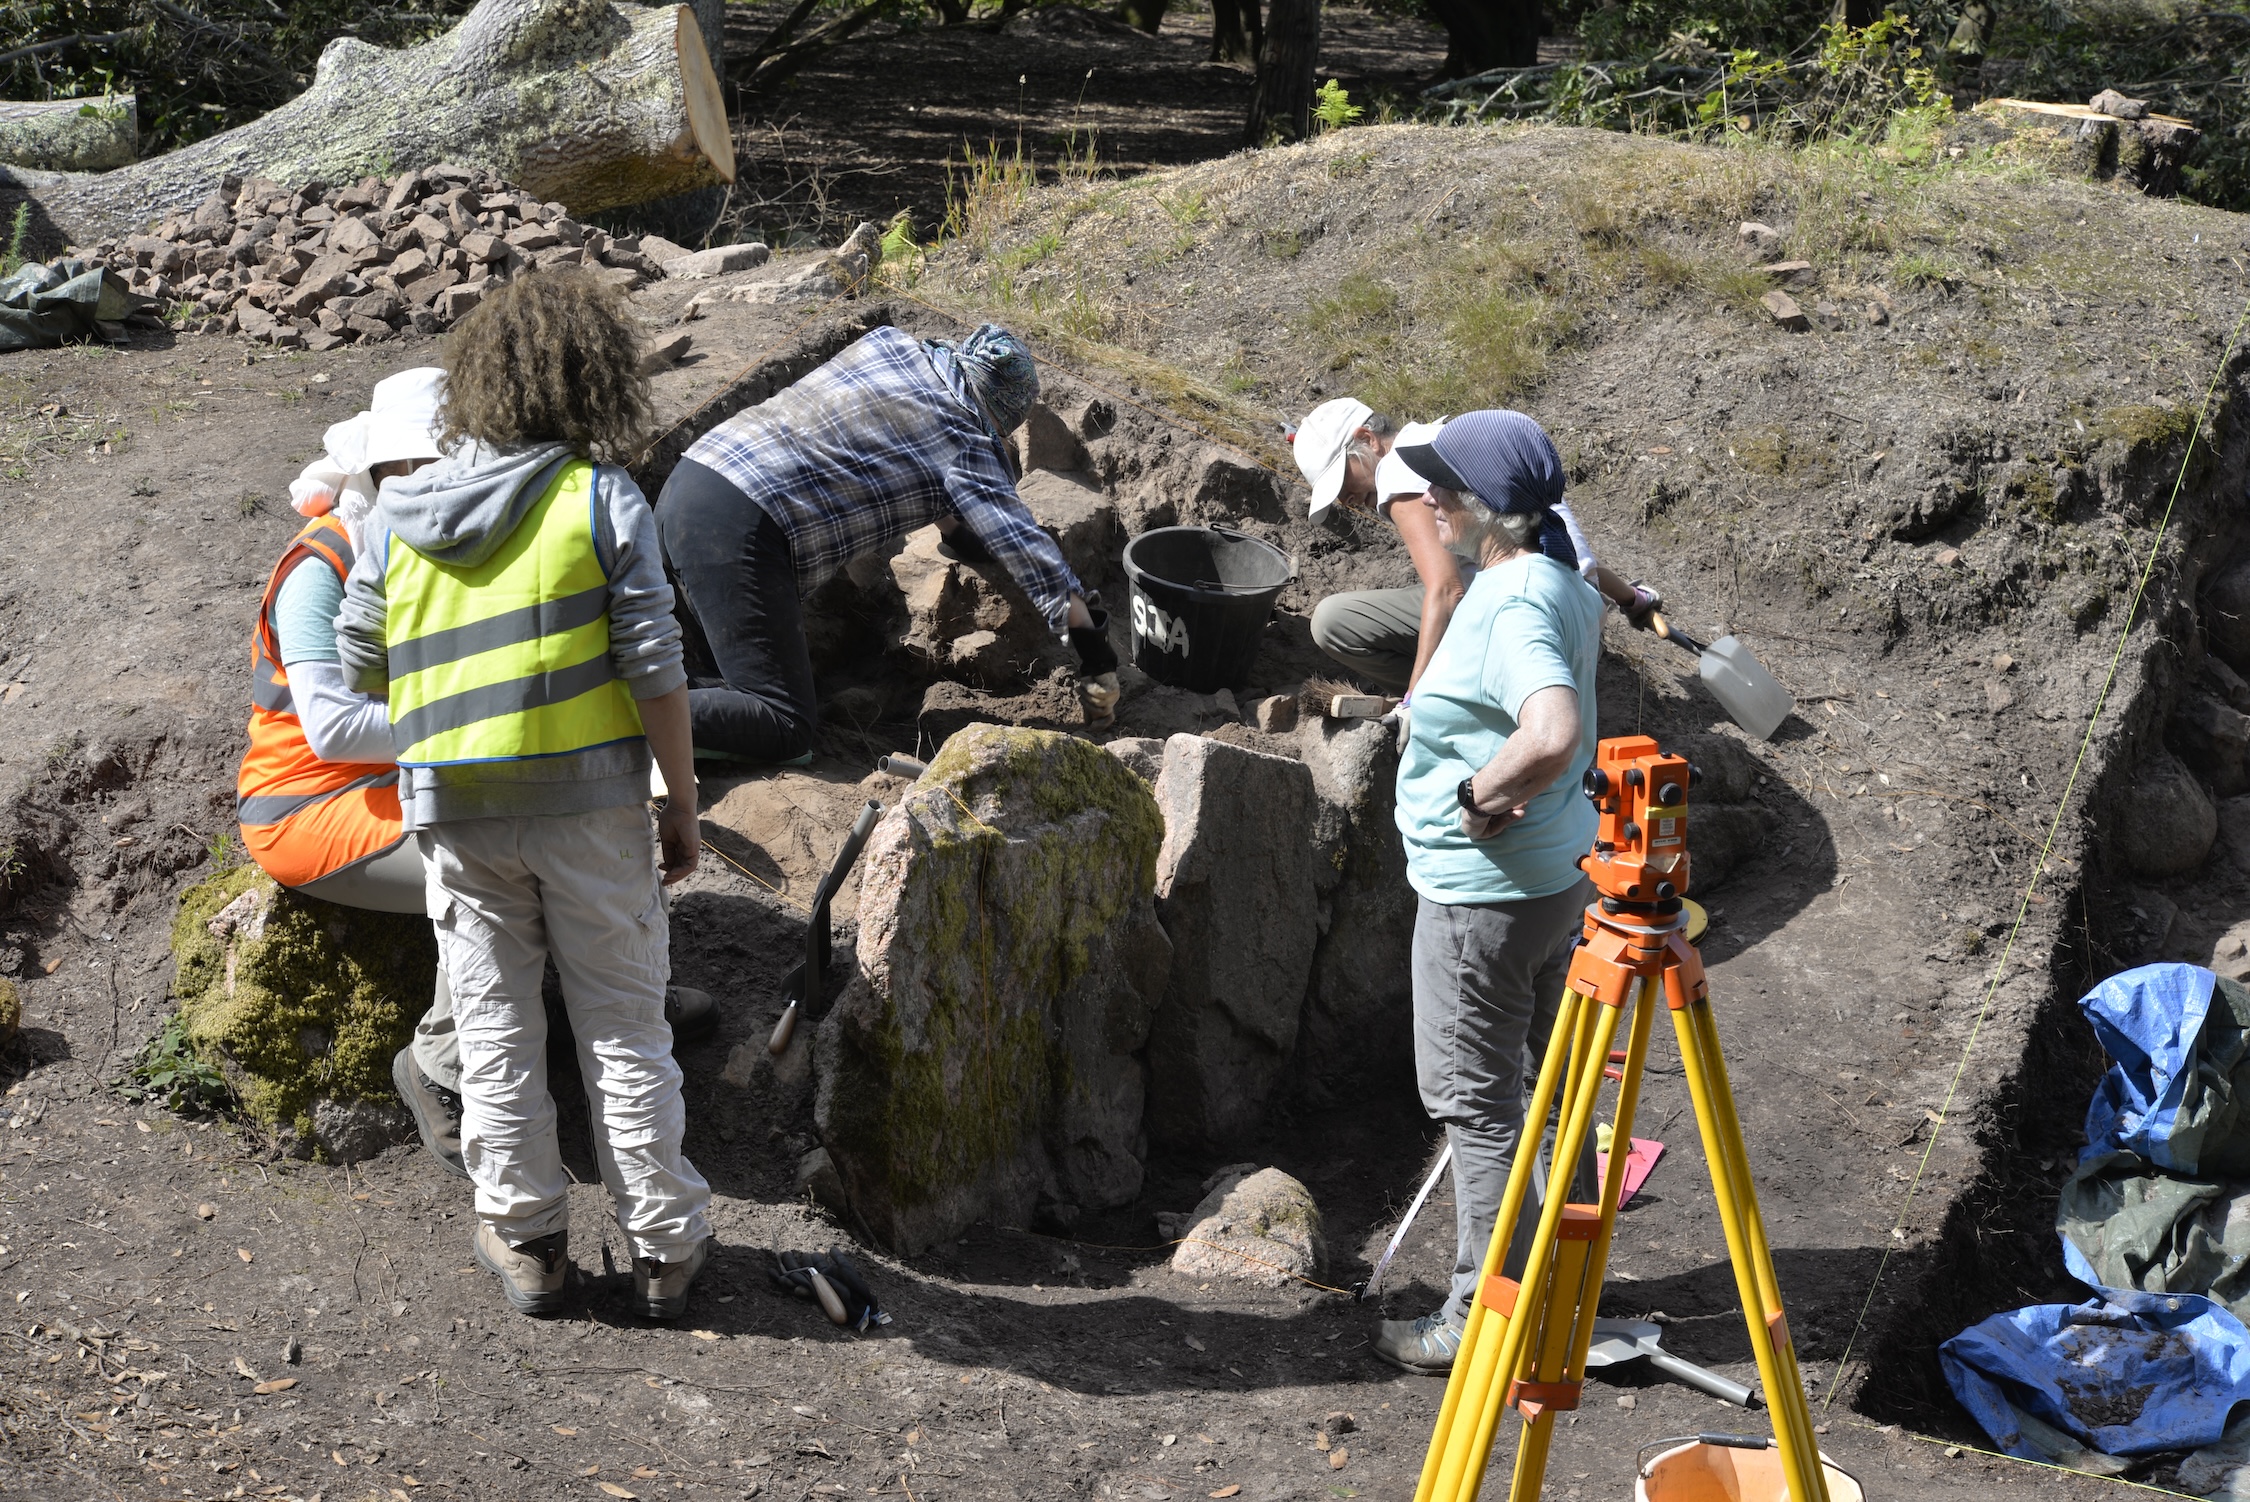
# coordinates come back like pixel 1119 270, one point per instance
pixel 891 435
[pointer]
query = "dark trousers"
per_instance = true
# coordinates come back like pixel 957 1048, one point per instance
pixel 750 677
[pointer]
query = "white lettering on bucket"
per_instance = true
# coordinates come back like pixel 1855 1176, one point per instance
pixel 1167 633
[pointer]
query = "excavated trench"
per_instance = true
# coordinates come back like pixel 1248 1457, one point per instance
pixel 112 811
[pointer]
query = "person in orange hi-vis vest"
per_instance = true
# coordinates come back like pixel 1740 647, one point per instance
pixel 317 792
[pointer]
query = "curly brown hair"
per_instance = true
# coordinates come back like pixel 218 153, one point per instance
pixel 550 358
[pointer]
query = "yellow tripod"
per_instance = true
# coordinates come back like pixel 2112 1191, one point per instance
pixel 1525 1343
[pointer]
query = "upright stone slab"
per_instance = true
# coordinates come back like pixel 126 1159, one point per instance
pixel 302 1005
pixel 986 1054
pixel 1359 1004
pixel 1235 890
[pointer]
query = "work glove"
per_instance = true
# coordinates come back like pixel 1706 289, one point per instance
pixel 793 1273
pixel 1646 602
pixel 1098 697
pixel 1400 723
pixel 1098 692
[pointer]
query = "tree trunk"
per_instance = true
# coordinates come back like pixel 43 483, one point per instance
pixel 591 105
pixel 70 135
pixel 1483 34
pixel 1147 15
pixel 1238 31
pixel 1281 104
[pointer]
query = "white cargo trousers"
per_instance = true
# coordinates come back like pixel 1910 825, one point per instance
pixel 505 893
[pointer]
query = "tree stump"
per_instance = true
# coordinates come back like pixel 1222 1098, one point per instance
pixel 589 104
pixel 70 135
pixel 1281 104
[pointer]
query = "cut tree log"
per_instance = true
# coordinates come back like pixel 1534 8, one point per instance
pixel 70 135
pixel 588 104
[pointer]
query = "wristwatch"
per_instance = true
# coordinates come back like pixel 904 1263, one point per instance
pixel 1467 795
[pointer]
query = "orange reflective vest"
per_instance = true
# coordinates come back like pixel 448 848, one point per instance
pixel 303 818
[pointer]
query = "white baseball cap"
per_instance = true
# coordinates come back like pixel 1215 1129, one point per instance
pixel 1320 445
pixel 1394 476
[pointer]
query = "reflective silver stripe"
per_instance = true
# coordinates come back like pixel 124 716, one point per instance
pixel 455 711
pixel 272 808
pixel 271 696
pixel 547 618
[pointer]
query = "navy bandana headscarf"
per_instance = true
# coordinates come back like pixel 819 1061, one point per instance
pixel 1511 464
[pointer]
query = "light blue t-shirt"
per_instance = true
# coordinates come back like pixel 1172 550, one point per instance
pixel 304 612
pixel 1526 624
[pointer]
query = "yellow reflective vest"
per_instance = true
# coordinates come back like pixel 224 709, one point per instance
pixel 508 659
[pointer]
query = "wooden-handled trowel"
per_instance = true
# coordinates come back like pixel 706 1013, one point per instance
pixel 1736 679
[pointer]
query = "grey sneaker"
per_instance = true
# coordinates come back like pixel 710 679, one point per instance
pixel 1423 1346
pixel 661 1288
pixel 436 1111
pixel 533 1275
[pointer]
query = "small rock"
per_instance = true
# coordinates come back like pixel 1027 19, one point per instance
pixel 817 1176
pixel 1791 273
pixel 1760 242
pixel 719 260
pixel 1878 314
pixel 1143 753
pixel 292 1352
pixel 1339 1422
pixel 1628 1402
pixel 1996 695
pixel 1338 1458
pixel 2115 105
pixel 206 1211
pixel 1828 315
pixel 1226 703
pixel 1785 312
pixel 1262 1229
pixel 458 302
pixel 665 352
pixel 1275 714
pixel 2003 663
pixel 1952 1452
pixel 1947 557
pixel 662 251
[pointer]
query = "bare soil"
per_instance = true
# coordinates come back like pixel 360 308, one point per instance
pixel 1852 962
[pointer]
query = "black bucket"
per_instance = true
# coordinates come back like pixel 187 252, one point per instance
pixel 1201 599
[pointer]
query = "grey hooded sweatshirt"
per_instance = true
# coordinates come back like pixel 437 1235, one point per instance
pixel 458 511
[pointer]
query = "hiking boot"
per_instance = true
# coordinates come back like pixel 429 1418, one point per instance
pixel 691 1013
pixel 661 1288
pixel 533 1275
pixel 1423 1346
pixel 436 1110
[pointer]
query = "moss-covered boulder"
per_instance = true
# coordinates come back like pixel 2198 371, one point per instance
pixel 984 1058
pixel 302 1004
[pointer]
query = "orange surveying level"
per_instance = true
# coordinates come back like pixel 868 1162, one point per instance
pixel 1526 1340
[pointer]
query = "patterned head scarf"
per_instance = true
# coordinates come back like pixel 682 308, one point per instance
pixel 1000 377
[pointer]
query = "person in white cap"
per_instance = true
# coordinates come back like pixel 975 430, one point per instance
pixel 316 796
pixel 1345 449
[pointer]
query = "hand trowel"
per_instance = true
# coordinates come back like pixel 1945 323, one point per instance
pixel 1621 1340
pixel 803 988
pixel 1736 679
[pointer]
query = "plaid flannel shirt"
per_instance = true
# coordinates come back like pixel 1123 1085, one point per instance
pixel 871 446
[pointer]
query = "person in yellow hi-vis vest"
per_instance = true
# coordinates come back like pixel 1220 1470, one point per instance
pixel 511 601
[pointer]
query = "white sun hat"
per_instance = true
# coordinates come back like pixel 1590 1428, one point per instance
pixel 1320 444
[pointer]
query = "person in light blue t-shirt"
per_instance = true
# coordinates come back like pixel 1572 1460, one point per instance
pixel 1493 822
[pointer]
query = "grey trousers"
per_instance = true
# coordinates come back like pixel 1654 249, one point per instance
pixel 1488 980
pixel 393 882
pixel 1373 632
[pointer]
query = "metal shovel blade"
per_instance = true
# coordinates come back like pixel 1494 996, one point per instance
pixel 1751 695
pixel 1617 1341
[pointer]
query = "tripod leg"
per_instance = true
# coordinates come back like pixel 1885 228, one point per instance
pixel 1570 1141
pixel 1737 1199
pixel 1472 1368
pixel 1572 1297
